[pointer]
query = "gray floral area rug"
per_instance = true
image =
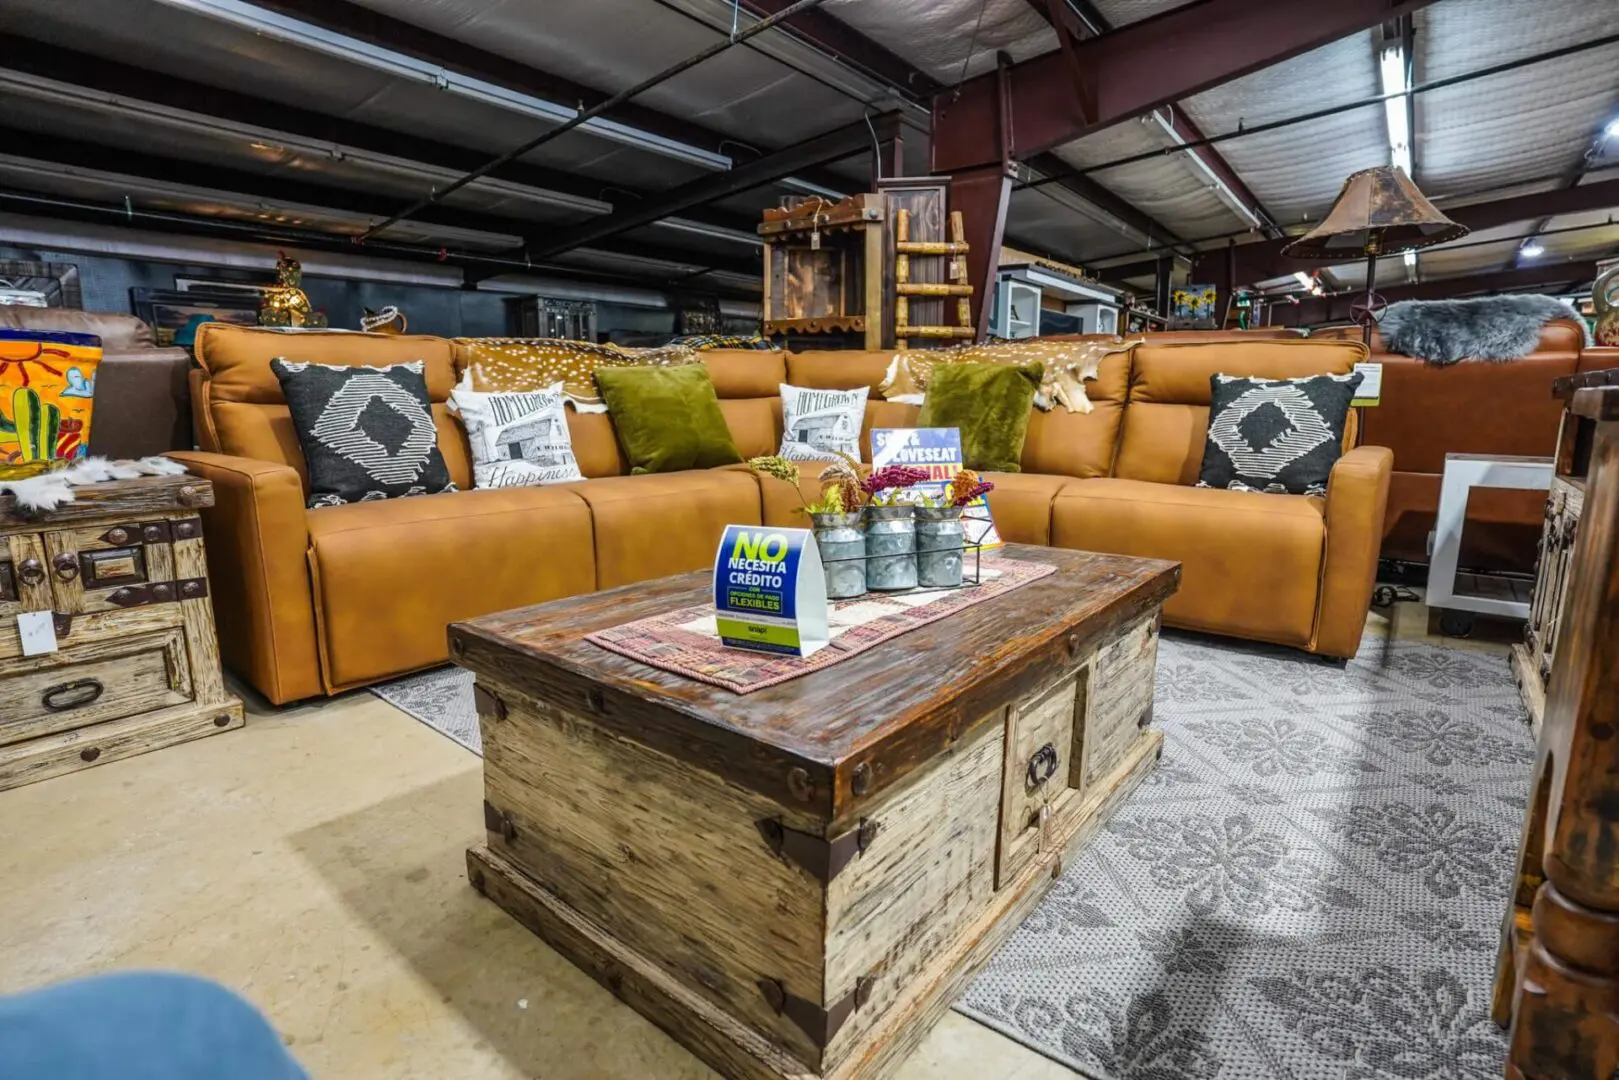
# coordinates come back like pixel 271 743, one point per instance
pixel 1308 888
pixel 441 699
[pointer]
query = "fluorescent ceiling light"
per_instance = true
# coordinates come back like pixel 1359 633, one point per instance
pixel 1411 261
pixel 1612 131
pixel 713 232
pixel 1532 250
pixel 1229 196
pixel 808 188
pixel 265 139
pixel 1395 74
pixel 281 211
pixel 273 24
pixel 1304 279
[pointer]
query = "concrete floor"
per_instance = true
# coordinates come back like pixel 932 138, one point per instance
pixel 314 861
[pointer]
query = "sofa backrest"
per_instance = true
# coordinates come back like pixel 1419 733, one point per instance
pixel 1167 421
pixel 1469 407
pixel 241 410
pixel 1059 442
pixel 118 333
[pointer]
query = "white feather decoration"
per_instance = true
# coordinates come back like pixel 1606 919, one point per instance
pixel 53 489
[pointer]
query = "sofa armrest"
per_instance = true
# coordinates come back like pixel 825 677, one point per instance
pixel 1357 495
pixel 258 542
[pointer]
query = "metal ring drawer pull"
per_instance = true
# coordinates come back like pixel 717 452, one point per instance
pixel 31 572
pixel 67 566
pixel 1043 765
pixel 72 695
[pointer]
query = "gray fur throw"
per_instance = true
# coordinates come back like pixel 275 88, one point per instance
pixel 1490 328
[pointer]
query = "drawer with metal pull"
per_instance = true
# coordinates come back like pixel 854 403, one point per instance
pixel 92 683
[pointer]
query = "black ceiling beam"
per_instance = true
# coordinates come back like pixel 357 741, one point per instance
pixel 818 150
pixel 354 20
pixel 275 192
pixel 1103 198
pixel 124 80
pixel 838 39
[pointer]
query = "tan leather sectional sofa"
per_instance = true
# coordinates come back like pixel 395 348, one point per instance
pixel 312 602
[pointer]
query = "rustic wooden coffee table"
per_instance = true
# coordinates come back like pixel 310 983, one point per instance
pixel 797 882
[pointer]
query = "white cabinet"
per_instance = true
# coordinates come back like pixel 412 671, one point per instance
pixel 1017 309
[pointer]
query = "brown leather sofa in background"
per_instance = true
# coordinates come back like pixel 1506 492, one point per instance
pixel 142 400
pixel 1470 407
pixel 318 601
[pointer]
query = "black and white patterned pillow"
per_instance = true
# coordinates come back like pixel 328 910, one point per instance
pixel 367 432
pixel 1280 436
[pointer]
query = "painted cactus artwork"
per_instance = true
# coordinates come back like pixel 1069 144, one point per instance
pixel 47 389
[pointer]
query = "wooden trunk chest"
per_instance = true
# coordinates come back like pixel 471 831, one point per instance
pixel 797 882
pixel 123 573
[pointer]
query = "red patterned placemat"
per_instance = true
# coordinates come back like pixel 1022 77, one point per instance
pixel 685 641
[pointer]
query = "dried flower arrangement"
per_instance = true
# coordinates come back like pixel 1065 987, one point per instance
pixel 882 487
pixel 842 489
pixel 966 486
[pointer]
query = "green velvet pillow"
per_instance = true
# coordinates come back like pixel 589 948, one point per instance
pixel 990 403
pixel 667 418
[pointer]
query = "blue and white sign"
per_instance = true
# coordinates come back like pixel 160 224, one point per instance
pixel 938 450
pixel 770 591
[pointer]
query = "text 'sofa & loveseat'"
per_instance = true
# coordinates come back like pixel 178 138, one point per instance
pixel 318 601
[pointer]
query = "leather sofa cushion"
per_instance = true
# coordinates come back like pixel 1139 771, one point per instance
pixel 1167 422
pixel 391 575
pixel 1021 505
pixel 1471 407
pixel 1081 444
pixel 595 445
pixel 146 400
pixel 837 370
pixel 664 523
pixel 755 424
pixel 237 358
pixel 266 433
pixel 118 333
pixel 745 373
pixel 1251 563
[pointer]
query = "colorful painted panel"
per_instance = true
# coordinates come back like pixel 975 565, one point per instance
pixel 47 386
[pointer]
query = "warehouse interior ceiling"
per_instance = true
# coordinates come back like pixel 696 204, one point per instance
pixel 317 121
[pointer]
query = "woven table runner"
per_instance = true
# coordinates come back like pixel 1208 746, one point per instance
pixel 687 643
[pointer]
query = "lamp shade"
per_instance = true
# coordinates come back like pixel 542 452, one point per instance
pixel 1378 212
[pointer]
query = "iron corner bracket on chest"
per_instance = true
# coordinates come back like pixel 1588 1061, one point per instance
pixel 820 1024
pixel 158 592
pixel 823 859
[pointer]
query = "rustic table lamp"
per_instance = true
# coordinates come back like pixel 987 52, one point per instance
pixel 1378 212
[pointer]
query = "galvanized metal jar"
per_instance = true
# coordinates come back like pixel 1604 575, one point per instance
pixel 890 548
pixel 940 542
pixel 843 553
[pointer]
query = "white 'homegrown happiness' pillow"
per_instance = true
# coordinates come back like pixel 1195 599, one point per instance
pixel 818 422
pixel 518 438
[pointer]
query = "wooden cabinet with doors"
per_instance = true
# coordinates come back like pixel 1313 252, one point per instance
pixel 116 585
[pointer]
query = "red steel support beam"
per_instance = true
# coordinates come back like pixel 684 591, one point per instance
pixel 1264 261
pixel 1073 26
pixel 1317 310
pixel 1136 69
pixel 982 196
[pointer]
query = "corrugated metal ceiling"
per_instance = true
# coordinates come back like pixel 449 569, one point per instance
pixel 1533 124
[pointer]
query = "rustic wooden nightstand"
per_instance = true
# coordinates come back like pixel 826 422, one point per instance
pixel 136 664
